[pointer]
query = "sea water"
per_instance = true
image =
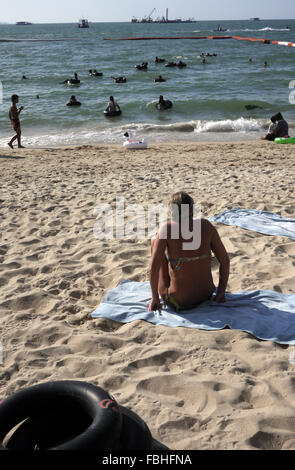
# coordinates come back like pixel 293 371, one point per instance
pixel 208 99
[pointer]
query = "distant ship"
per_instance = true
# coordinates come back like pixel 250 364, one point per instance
pixel 254 19
pixel 149 19
pixel 220 29
pixel 83 23
pixel 22 23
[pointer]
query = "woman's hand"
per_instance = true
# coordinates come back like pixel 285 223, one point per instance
pixel 220 297
pixel 155 304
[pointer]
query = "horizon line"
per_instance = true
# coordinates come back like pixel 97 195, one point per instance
pixel 2 23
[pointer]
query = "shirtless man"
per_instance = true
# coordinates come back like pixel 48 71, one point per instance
pixel 14 117
pixel 183 278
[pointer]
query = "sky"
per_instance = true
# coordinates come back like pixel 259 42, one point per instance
pixel 67 11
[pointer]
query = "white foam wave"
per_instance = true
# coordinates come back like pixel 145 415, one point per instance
pixel 267 28
pixel 238 125
pixel 156 132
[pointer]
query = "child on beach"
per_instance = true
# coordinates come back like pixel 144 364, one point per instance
pixel 271 130
pixel 183 277
pixel 14 117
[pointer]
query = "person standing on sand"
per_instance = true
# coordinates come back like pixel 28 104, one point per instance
pixel 14 117
pixel 183 277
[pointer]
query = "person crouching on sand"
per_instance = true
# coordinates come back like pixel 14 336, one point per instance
pixel 183 277
pixel 271 133
pixel 14 117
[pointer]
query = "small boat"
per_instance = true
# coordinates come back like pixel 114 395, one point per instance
pixel 23 23
pixel 83 23
pixel 220 29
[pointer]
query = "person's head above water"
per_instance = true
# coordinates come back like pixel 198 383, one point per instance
pixel 178 200
pixel 73 97
pixel 14 98
pixel 278 117
pixel 161 98
pixel 111 98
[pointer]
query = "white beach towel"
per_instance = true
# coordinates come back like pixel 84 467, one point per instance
pixel 268 315
pixel 259 221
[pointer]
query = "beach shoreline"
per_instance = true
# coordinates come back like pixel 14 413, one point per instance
pixel 151 146
pixel 195 389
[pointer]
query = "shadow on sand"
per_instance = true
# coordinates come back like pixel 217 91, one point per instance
pixel 12 157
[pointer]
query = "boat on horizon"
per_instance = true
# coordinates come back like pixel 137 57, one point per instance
pixel 255 19
pixel 163 19
pixel 220 29
pixel 23 23
pixel 83 23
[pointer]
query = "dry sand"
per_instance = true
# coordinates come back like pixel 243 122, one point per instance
pixel 195 389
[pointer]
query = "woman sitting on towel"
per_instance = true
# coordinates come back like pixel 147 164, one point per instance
pixel 180 270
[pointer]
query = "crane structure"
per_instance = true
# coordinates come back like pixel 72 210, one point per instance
pixel 148 18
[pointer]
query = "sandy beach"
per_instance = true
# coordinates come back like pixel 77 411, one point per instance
pixel 195 389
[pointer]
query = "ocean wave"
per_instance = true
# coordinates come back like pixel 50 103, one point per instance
pixel 30 40
pixel 218 130
pixel 267 28
pixel 229 125
pixel 187 130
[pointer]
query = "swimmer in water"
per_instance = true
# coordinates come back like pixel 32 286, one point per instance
pixel 112 106
pixel 163 104
pixel 73 101
pixel 72 81
pixel 158 60
pixel 160 79
pixel 120 79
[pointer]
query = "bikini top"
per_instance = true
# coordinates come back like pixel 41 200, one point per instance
pixel 176 262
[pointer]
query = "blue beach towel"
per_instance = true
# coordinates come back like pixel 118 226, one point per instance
pixel 268 315
pixel 259 221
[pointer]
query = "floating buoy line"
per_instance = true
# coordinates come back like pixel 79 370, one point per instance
pixel 239 38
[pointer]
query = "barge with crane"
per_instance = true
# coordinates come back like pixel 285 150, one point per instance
pixel 163 19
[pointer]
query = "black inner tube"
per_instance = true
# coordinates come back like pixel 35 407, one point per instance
pixel 67 415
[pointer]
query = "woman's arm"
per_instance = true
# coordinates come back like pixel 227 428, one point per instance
pixel 221 254
pixel 158 254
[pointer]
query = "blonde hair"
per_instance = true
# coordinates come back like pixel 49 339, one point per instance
pixel 179 199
